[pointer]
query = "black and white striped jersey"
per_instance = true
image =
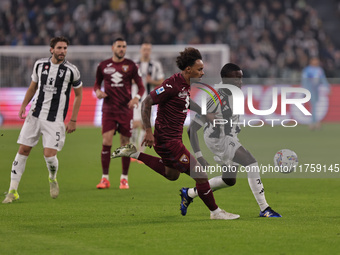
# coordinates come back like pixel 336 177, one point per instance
pixel 51 99
pixel 225 112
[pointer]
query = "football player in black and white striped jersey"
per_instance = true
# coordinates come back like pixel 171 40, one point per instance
pixel 222 141
pixel 52 81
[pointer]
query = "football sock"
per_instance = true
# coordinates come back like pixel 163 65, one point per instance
pixel 216 183
pixel 137 138
pixel 256 185
pixel 140 140
pixel 105 158
pixel 154 163
pixel 18 168
pixel 106 176
pixel 123 176
pixel 125 165
pixel 52 164
pixel 135 155
pixel 206 194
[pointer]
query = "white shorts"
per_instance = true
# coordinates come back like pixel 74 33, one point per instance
pixel 53 133
pixel 224 148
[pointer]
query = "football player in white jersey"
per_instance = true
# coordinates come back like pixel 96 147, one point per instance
pixel 52 80
pixel 223 142
pixel 153 76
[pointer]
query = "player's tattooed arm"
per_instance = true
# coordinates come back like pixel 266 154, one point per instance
pixel 146 114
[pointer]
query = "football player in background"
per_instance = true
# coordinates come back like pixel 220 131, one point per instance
pixel 152 75
pixel 117 73
pixel 173 99
pixel 313 78
pixel 52 79
pixel 222 141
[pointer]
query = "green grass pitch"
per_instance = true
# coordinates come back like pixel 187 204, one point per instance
pixel 146 218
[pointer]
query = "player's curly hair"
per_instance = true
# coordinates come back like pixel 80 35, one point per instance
pixel 57 39
pixel 227 69
pixel 188 57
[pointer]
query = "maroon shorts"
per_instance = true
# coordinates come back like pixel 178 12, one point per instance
pixel 175 155
pixel 118 122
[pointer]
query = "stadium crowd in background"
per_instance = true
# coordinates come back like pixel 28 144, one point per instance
pixel 270 38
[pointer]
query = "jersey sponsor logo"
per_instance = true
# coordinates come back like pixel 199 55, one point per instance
pixel 183 94
pixel 184 159
pixel 160 90
pixel 51 89
pixel 109 70
pixel 125 68
pixel 116 78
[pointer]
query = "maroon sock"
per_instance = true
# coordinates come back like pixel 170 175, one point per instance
pixel 154 163
pixel 125 165
pixel 206 194
pixel 106 157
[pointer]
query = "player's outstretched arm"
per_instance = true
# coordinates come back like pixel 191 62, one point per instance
pixel 149 139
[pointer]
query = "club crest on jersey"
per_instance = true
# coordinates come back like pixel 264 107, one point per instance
pixel 61 72
pixel 125 68
pixel 160 90
pixel 184 159
pixel 109 70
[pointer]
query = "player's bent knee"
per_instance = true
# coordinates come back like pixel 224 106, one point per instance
pixel 229 181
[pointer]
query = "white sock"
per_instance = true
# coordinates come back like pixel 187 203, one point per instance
pixel 137 138
pixel 140 139
pixel 216 183
pixel 256 186
pixel 106 176
pixel 135 155
pixel 18 168
pixel 123 176
pixel 52 164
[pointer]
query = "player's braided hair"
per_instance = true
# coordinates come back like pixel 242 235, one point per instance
pixel 188 57
pixel 57 39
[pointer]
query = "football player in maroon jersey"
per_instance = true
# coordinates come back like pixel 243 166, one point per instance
pixel 117 74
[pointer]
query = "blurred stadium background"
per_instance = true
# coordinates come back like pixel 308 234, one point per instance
pixel 268 39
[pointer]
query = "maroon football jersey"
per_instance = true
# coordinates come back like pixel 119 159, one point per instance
pixel 172 98
pixel 117 79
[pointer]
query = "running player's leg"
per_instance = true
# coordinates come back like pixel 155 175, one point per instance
pixel 246 159
pixel 227 179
